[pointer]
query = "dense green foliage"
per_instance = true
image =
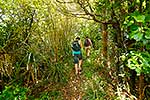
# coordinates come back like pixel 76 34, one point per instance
pixel 35 49
pixel 139 31
pixel 14 93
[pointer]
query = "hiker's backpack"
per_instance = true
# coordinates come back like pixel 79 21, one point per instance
pixel 76 46
pixel 87 42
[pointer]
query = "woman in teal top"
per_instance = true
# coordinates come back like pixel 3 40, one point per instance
pixel 77 56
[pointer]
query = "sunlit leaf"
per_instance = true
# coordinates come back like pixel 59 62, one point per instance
pixel 138 17
pixel 137 36
pixel 130 23
pixel 140 62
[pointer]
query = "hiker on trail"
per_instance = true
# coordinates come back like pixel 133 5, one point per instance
pixel 87 45
pixel 77 54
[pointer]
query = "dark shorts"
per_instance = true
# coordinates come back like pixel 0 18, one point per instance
pixel 76 58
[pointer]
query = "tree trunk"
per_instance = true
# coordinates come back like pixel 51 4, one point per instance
pixel 141 86
pixel 104 43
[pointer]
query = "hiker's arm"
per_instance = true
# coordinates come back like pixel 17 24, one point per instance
pixel 72 53
pixel 80 44
pixel 90 42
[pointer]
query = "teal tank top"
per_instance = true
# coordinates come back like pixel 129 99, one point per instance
pixel 76 52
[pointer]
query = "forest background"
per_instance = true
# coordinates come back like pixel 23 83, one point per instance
pixel 35 49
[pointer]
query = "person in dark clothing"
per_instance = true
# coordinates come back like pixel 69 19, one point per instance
pixel 87 45
pixel 77 54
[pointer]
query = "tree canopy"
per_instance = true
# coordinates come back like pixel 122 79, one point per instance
pixel 36 58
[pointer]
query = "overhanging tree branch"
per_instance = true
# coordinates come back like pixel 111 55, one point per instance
pixel 64 1
pixel 88 11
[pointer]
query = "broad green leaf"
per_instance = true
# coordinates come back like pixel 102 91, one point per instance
pixel 140 65
pixel 138 36
pixel 134 27
pixel 138 17
pixel 131 35
pixel 147 34
pixel 138 71
pixel 130 23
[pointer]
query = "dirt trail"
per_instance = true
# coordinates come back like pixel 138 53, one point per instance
pixel 73 90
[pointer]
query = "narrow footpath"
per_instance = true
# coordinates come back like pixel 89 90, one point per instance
pixel 73 90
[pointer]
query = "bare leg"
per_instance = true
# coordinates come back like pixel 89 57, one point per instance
pixel 76 68
pixel 88 52
pixel 80 64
